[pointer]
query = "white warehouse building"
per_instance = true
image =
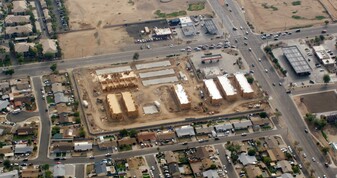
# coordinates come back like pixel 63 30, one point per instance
pixel 245 89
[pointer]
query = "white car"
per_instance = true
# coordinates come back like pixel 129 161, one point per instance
pixel 313 159
pixel 266 70
pixel 259 59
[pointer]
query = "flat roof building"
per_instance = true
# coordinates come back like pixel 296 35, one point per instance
pixel 129 104
pixel 323 56
pixel 296 60
pixel 114 107
pixel 187 26
pixel 210 27
pixel 213 92
pixel 245 88
pixel 226 88
pixel 182 97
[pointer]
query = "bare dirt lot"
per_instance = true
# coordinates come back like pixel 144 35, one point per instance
pixel 96 15
pixel 331 7
pixel 317 102
pixel 289 14
pixel 143 96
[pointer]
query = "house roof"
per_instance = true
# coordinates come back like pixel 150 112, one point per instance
pixel 3 104
pixel 185 131
pixel 285 166
pixel 57 87
pixel 245 159
pixel 145 136
pixel 11 174
pixel 242 124
pixel 6 149
pixel 127 141
pixel 28 28
pixel 4 85
pixel 276 154
pixel 17 19
pixel 170 157
pixel 60 98
pixel 286 175
pixel 107 144
pixel 271 142
pixel 29 172
pixel 204 130
pixel 63 108
pixel 259 121
pixel 23 47
pixel 210 174
pixel 82 146
pixel 62 147
pixel 174 169
pixel 200 153
pixel 206 163
pixel 100 168
pixel 25 130
pixel 253 171
pixel 22 149
pixel 166 135
pixel 224 127
pixel 59 170
pixel 19 6
pixel 48 45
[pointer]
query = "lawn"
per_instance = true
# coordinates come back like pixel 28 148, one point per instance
pixel 26 137
pixel 196 6
pixel 170 15
pixel 50 99
pixel 125 147
pixel 146 176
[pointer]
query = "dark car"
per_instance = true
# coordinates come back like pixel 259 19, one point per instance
pixel 57 159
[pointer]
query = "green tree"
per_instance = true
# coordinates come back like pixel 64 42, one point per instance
pixel 251 152
pixel 213 166
pixel 266 160
pixel 77 114
pixel 45 167
pixel 55 130
pixel 123 133
pixel 320 123
pixel 21 59
pixel 133 133
pixel 39 51
pixel 53 67
pixel 325 150
pixel 77 120
pixel 8 72
pixel 82 132
pixel 326 78
pixel 310 117
pixel 135 56
pixel 48 174
pixel 49 56
pixel 7 164
pixel 326 22
pixel 321 37
pixel 250 80
pixel 263 114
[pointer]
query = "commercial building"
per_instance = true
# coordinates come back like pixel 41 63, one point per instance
pixel 114 107
pixel 129 103
pixel 226 88
pixel 213 92
pixel 182 97
pixel 210 27
pixel 323 56
pixel 162 32
pixel 245 89
pixel 187 26
pixel 296 60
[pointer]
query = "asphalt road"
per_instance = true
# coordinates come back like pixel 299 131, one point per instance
pixel 231 173
pixel 151 161
pixel 79 170
pixel 20 117
pixel 280 99
pixel 45 121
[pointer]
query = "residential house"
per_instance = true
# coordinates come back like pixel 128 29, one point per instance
pixel 200 154
pixel 206 163
pixel 1 131
pixel 253 171
pixel 19 7
pixel 7 151
pixel 62 108
pixel 285 166
pixel 245 159
pixel 59 170
pixel 146 136
pixel 4 87
pixel 46 15
pixel 224 128
pixel 100 168
pixel 64 118
pixel 48 46
pixel 276 154
pixel 107 144
pixel 14 20
pixel 60 98
pixel 332 119
pixel 258 121
pixel 30 172
pixel 11 174
pixel 4 104
pixel 43 4
pixel 23 131
pixel 286 175
pixel 185 131
pixel 19 31
pixel 204 130
pixel 57 87
pixel 243 124
pixel 166 136
pixel 210 174
pixel 82 146
pixel 62 147
pixel 271 142
pixel 127 141
pixel 170 157
pixel 174 170
pixel 22 149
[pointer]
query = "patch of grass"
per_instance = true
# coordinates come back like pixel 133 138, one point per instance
pixel 297 17
pixel 23 137
pixel 196 6
pixel 125 147
pixel 274 8
pixel 50 99
pixel 325 136
pixel 296 3
pixel 319 17
pixel 304 26
pixel 146 176
pixel 170 15
pixel 294 12
pixel 266 6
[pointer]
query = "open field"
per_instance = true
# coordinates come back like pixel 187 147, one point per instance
pixel 97 113
pixel 289 14
pixel 317 102
pixel 331 7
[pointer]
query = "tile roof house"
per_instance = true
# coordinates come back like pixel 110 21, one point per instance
pixel 62 147
pixel 22 149
pixel 276 154
pixel 13 20
pixel 166 135
pixel 21 30
pixel 19 7
pixel 253 171
pixel 170 157
pixel 127 141
pixel 258 121
pixel 185 131
pixel 285 166
pixel 200 153
pixel 62 108
pixel 49 46
pixel 22 131
pixel 57 87
pixel 82 146
pixel 245 159
pixel 4 86
pixel 100 168
pixel 59 170
pixel 146 136
pixel 286 175
pixel 30 173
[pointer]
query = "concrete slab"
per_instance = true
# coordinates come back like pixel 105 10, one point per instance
pixel 113 70
pixel 153 65
pixel 152 109
pixel 156 73
pixel 160 81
